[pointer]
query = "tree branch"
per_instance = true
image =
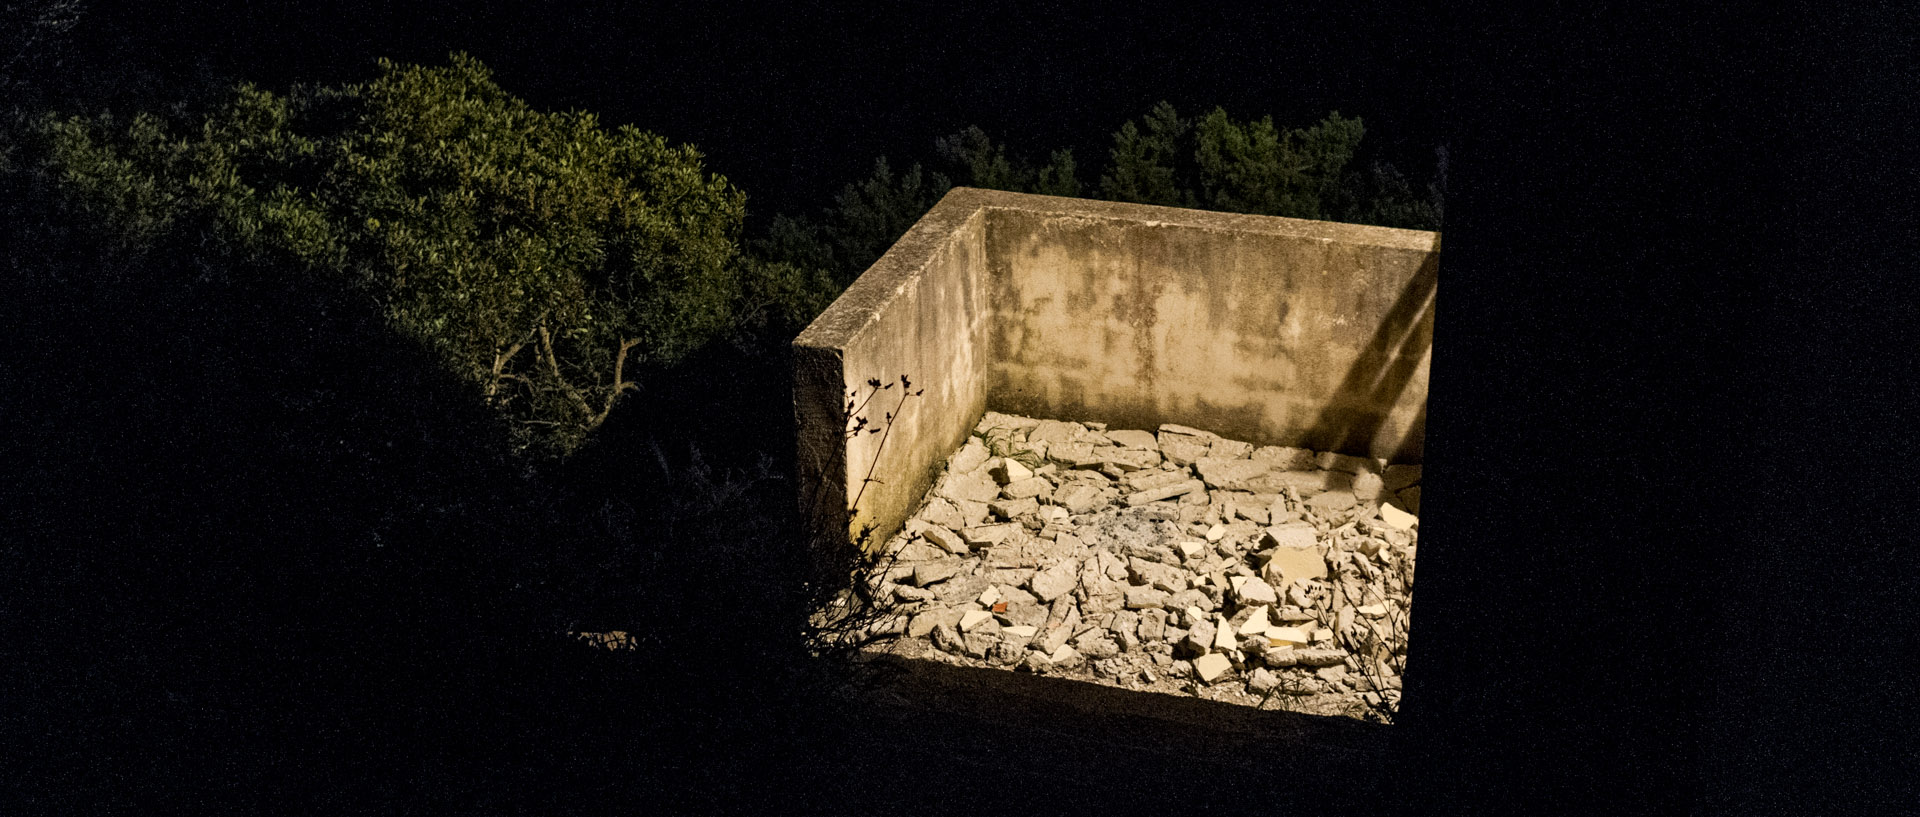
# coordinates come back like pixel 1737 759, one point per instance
pixel 546 342
pixel 620 385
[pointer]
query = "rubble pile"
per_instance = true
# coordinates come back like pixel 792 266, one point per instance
pixel 1177 561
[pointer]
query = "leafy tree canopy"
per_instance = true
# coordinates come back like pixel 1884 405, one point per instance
pixel 543 256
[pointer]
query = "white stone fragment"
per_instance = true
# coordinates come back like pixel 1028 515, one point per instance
pixel 1398 518
pixel 1216 533
pixel 1371 610
pixel 989 596
pixel 1006 471
pixel 946 539
pixel 1223 636
pixel 1257 623
pixel 974 618
pixel 1254 591
pixel 1170 428
pixel 1211 666
pixel 1287 636
pixel 1192 550
pixel 1021 632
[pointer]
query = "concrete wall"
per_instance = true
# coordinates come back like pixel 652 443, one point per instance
pixel 920 311
pixel 1271 330
pixel 1274 331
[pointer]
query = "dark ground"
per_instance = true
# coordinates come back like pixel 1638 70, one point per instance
pixel 255 563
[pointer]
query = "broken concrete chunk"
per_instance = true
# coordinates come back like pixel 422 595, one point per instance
pixel 1177 489
pixel 1078 497
pixel 1127 459
pixel 978 644
pixel 971 487
pixel 1141 598
pixel 1368 486
pixel 1199 638
pixel 1028 488
pixel 1006 652
pixel 1053 432
pixel 1223 635
pixel 1371 610
pixel 1134 439
pixel 1153 624
pixel 947 638
pixel 1149 480
pixel 1190 551
pixel 1410 499
pixel 1254 591
pixel 1230 449
pixel 1096 644
pixel 971 512
pixel 945 539
pixel 1289 535
pixel 1019 633
pixel 1007 471
pixel 1010 508
pixel 1189 431
pixel 1398 518
pixel 1054 581
pixel 927 573
pixel 972 619
pixel 1257 623
pixel 1399 477
pixel 1156 574
pixel 988 535
pixel 1288 636
pixel 989 596
pixel 1076 454
pixel 1211 667
pixel 1262 681
pixel 1065 656
pixel 1183 450
pixel 970 456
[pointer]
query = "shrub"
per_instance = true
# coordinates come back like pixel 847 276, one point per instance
pixel 541 256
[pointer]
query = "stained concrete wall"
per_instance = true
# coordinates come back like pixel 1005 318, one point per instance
pixel 1275 331
pixel 1271 330
pixel 921 312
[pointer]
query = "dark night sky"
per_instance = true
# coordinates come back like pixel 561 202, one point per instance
pixel 793 101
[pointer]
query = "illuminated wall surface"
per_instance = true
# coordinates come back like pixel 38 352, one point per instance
pixel 1274 331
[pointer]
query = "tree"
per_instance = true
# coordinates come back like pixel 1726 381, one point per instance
pixel 543 257
pixel 1144 158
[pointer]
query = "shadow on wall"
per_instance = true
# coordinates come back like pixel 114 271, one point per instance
pixel 1381 373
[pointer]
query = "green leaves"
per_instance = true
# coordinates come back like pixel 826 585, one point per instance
pixel 477 224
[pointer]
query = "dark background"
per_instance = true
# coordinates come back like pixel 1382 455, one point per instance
pixel 791 101
pixel 1670 396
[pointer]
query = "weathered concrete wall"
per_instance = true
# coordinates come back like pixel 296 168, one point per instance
pixel 1271 330
pixel 921 312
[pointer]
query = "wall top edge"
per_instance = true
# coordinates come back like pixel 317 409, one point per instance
pixel 860 305
pixel 1156 215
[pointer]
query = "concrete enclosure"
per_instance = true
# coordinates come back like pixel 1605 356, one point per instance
pixel 1275 331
